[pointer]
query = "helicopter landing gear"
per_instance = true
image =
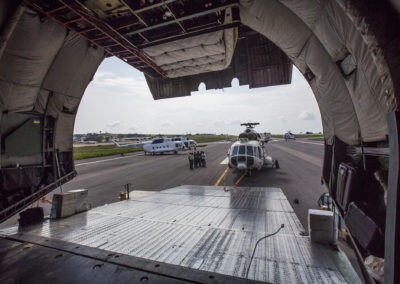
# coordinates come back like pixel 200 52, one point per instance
pixel 248 173
pixel 275 164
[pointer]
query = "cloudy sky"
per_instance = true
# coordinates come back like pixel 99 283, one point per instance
pixel 119 101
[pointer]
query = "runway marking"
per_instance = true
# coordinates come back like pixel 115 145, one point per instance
pixel 299 141
pixel 225 161
pixel 308 158
pixel 221 177
pixel 320 144
pixel 240 179
pixel 106 160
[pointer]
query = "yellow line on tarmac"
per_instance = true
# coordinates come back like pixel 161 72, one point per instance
pixel 240 179
pixel 221 177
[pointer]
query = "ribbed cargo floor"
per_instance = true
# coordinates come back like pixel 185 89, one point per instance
pixel 205 228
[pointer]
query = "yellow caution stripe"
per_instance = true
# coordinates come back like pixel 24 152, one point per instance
pixel 221 177
pixel 240 179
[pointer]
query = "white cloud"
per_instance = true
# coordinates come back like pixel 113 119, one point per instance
pixel 121 85
pixel 166 123
pixel 234 122
pixel 305 115
pixel 113 123
pixel 101 74
pixel 224 123
pixel 282 118
pixel 120 93
pixel 219 123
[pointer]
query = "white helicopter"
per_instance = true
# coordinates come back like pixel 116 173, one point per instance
pixel 157 145
pixel 130 145
pixel 248 152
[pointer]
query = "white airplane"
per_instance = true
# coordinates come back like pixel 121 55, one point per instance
pixel 188 142
pixel 157 145
pixel 248 152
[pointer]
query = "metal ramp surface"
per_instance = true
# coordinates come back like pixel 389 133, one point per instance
pixel 205 228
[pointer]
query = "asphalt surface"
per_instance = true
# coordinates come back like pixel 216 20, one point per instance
pixel 299 174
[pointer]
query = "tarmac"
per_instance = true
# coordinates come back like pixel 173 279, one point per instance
pixel 299 175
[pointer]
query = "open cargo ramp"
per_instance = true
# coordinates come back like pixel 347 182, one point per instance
pixel 202 229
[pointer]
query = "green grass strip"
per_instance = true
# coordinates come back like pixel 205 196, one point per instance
pixel 86 152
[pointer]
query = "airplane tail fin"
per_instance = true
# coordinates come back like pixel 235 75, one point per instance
pixel 116 144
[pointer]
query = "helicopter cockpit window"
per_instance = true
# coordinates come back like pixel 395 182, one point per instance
pixel 259 152
pixel 242 150
pixel 235 151
pixel 250 151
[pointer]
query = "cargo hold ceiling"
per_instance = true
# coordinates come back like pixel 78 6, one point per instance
pixel 256 62
pixel 177 44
